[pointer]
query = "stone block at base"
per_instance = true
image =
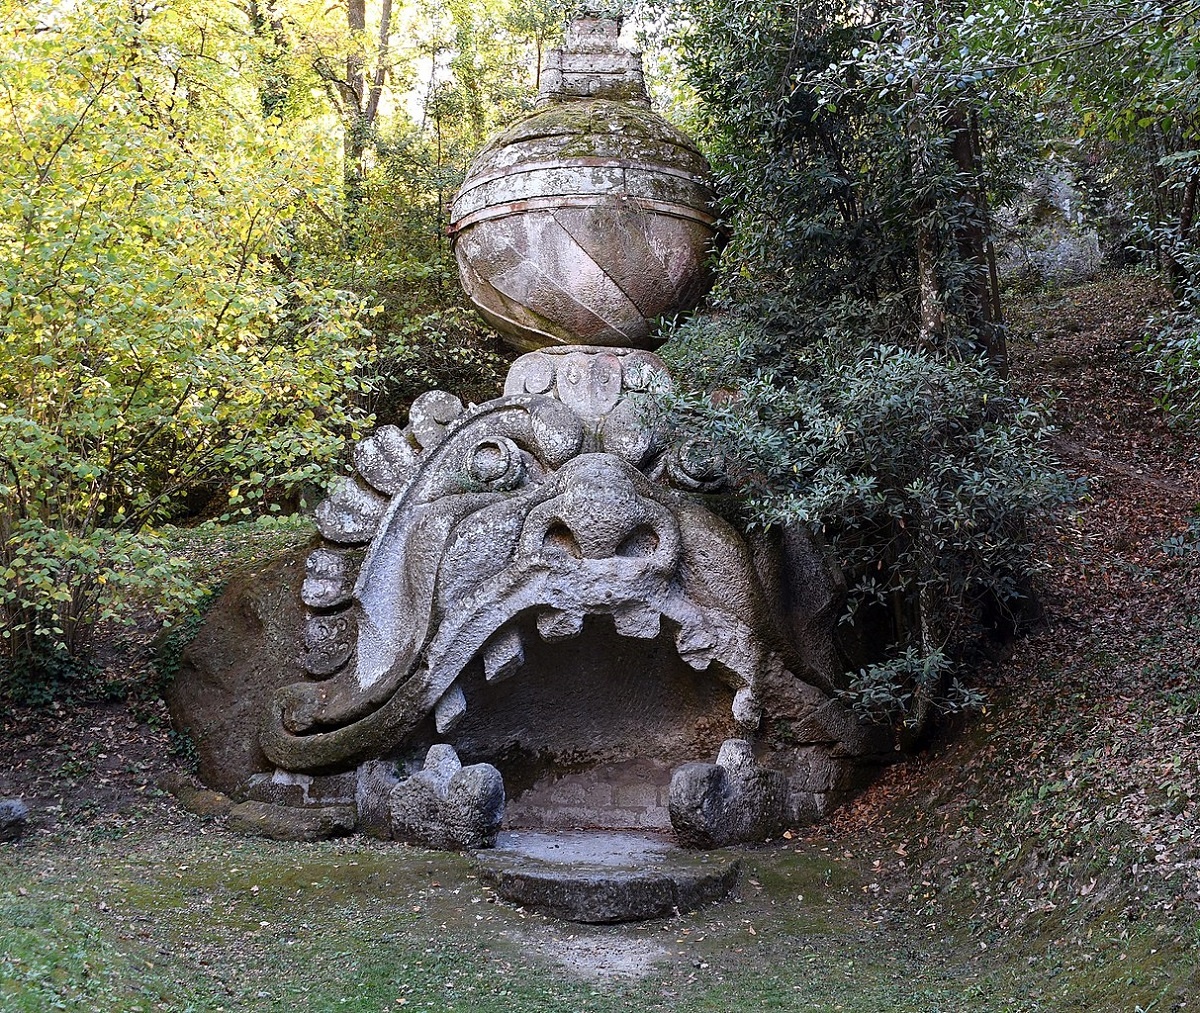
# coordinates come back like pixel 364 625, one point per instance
pixel 14 815
pixel 283 823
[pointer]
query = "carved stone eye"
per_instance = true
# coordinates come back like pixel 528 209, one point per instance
pixel 696 466
pixel 497 464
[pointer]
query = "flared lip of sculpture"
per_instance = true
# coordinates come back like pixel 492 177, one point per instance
pixel 514 601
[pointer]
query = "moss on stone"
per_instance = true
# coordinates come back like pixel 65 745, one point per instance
pixel 596 129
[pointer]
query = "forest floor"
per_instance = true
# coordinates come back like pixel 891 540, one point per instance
pixel 1045 856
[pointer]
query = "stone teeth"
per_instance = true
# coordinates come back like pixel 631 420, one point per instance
pixel 638 621
pixel 554 624
pixel 746 709
pixel 504 655
pixel 696 646
pixel 451 709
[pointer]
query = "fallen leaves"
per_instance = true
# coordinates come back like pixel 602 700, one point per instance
pixel 1088 762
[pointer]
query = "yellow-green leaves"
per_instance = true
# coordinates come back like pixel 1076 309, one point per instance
pixel 157 339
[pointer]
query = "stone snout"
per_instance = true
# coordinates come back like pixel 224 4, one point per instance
pixel 600 518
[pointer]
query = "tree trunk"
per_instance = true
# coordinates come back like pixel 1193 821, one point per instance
pixel 267 24
pixel 982 304
pixel 931 299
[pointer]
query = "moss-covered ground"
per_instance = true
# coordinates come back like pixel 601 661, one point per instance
pixel 187 916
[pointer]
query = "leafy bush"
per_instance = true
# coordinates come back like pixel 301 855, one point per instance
pixel 925 474
pixel 854 381
pixel 448 349
pixel 1170 353
pixel 156 334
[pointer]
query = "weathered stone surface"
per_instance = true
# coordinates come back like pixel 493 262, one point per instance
pixel 447 805
pixel 604 877
pixel 733 801
pixel 328 578
pixel 281 787
pixel 373 796
pixel 351 513
pixel 592 64
pixel 386 460
pixel 626 795
pixel 430 417
pixel 14 817
pixel 329 640
pixel 546 592
pixel 247 648
pixel 590 218
pixel 519 525
pixel 286 823
pixel 205 802
pixel 194 798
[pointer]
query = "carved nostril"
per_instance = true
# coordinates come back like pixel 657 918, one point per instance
pixel 641 543
pixel 558 538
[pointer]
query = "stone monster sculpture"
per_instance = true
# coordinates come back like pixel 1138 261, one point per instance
pixel 557 501
pixel 482 576
pixel 530 515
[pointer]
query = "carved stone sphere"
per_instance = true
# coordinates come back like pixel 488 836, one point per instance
pixel 582 224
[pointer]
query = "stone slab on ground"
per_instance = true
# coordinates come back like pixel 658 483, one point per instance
pixel 604 877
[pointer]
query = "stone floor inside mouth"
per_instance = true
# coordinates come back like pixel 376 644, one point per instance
pixel 605 876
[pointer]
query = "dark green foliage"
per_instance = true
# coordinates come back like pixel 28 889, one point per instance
pixel 924 473
pixel 858 363
pixel 449 349
pixel 39 679
pixel 846 153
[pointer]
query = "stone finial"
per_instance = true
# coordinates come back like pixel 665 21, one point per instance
pixel 592 63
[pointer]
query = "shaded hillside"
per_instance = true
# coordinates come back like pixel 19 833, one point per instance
pixel 1070 810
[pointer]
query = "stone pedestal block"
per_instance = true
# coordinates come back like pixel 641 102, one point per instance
pixel 733 801
pixel 447 805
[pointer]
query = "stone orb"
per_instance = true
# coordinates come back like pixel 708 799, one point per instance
pixel 582 224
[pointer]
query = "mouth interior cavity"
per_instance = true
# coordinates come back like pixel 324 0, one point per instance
pixel 599 711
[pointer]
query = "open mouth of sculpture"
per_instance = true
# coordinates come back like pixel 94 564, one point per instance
pixel 623 624
pixel 551 607
pixel 586 715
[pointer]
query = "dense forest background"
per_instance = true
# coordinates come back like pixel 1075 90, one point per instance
pixel 223 256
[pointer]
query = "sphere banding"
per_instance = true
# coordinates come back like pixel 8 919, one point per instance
pixel 587 220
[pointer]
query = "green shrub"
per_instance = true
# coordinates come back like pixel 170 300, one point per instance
pixel 155 340
pixel 925 474
pixel 1170 354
